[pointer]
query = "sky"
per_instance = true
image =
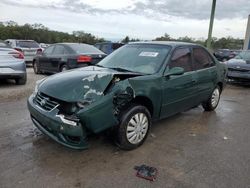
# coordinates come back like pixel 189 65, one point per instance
pixel 143 19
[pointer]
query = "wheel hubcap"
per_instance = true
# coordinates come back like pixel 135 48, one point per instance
pixel 137 128
pixel 64 69
pixel 215 97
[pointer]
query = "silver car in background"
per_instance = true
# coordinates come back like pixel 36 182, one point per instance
pixel 12 64
pixel 29 48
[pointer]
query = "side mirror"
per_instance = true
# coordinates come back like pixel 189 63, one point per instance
pixel 175 71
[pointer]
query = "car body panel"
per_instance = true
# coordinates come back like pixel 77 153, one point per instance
pixel 28 52
pixel 11 67
pixel 109 91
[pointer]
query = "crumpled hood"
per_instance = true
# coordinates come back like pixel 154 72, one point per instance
pixel 86 83
pixel 238 63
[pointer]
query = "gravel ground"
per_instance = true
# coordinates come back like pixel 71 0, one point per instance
pixel 192 149
pixel 9 91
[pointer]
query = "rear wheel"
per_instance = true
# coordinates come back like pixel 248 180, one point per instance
pixel 134 126
pixel 213 100
pixel 64 68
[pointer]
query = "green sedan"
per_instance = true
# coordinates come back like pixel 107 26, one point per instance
pixel 126 91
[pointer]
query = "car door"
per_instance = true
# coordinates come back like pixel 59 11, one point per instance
pixel 178 91
pixel 206 72
pixel 56 57
pixel 45 58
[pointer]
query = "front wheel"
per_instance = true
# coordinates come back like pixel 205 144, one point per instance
pixel 35 68
pixel 134 126
pixel 213 100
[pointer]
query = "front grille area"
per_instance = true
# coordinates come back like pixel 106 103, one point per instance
pixel 45 102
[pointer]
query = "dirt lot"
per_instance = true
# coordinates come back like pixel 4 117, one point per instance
pixel 192 149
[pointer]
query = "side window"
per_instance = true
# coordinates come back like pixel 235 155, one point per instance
pixel 202 59
pixel 48 50
pixel 59 50
pixel 105 48
pixel 181 58
pixel 97 46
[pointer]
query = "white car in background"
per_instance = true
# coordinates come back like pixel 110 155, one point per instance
pixel 43 46
pixel 29 48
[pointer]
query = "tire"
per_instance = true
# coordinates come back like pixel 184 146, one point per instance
pixel 64 68
pixel 135 123
pixel 21 81
pixel 35 68
pixel 213 100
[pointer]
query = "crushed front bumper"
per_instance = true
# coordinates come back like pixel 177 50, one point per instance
pixel 50 124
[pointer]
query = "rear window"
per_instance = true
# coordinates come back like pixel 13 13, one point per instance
pixel 27 44
pixel 85 49
pixel 4 45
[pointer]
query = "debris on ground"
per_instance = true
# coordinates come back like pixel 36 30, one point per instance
pixel 146 172
pixel 152 135
pixel 225 138
pixel 192 134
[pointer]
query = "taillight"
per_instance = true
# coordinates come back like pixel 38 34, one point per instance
pixel 84 59
pixel 17 55
pixel 39 51
pixel 18 49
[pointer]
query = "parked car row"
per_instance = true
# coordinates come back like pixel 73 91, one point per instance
pixel 51 58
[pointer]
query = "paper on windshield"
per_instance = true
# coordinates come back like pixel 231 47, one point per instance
pixel 149 54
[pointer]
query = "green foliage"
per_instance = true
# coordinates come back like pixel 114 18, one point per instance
pixel 165 37
pixel 127 39
pixel 40 33
pixel 222 43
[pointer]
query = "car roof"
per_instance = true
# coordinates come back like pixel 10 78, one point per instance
pixel 20 40
pixel 168 43
pixel 71 43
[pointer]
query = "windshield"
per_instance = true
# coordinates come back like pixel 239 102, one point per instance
pixel 4 45
pixel 27 44
pixel 142 58
pixel 243 55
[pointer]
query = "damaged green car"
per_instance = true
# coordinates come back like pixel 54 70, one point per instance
pixel 135 85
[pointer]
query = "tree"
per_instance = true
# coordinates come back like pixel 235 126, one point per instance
pixel 126 39
pixel 165 37
pixel 40 33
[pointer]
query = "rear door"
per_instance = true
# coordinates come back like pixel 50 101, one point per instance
pixel 56 57
pixel 206 72
pixel 179 91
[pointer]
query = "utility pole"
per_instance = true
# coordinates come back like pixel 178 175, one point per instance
pixel 209 39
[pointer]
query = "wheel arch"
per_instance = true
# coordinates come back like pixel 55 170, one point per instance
pixel 144 101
